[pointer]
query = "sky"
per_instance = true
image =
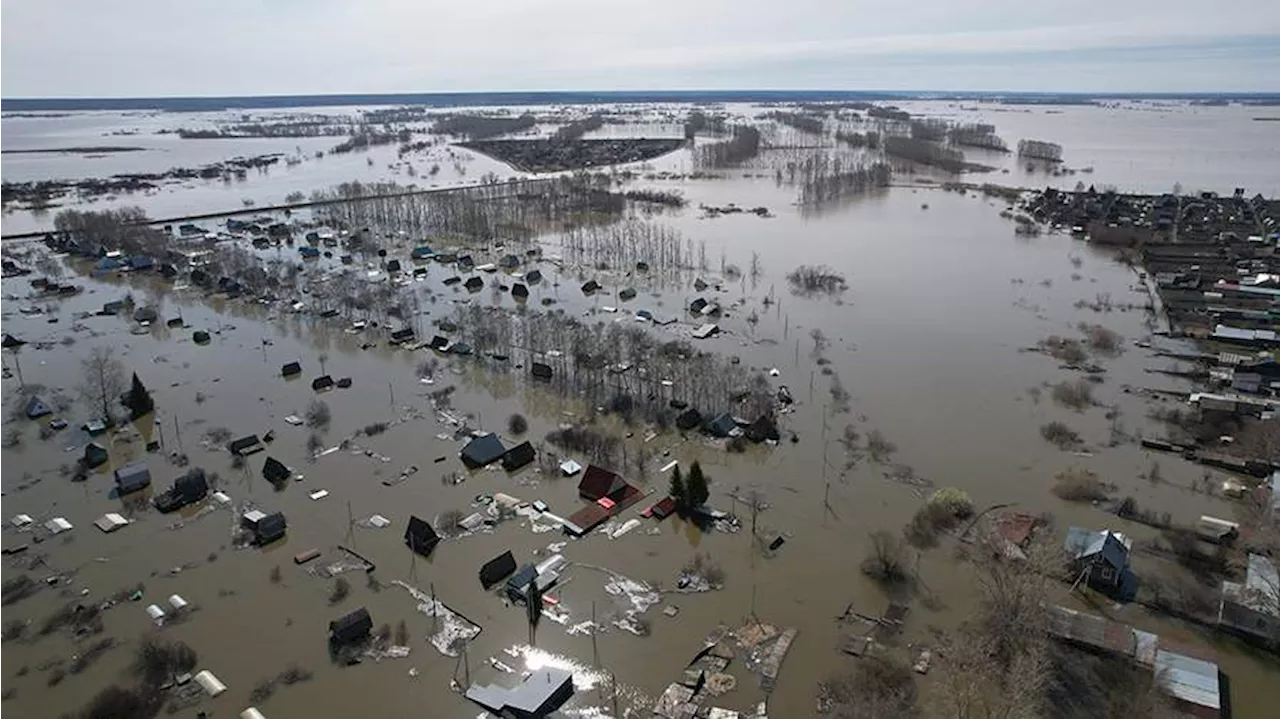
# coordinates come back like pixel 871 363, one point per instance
pixel 152 48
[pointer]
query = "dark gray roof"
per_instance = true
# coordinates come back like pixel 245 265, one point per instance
pixel 132 477
pixel 483 451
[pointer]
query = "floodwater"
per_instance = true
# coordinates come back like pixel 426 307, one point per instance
pixel 927 340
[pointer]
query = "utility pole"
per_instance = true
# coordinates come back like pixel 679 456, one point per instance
pixel 177 429
pixel 391 390
pixel 435 620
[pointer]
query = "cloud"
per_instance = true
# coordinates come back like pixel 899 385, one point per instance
pixel 196 47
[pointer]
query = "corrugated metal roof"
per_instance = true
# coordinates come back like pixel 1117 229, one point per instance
pixel 1189 679
pixel 1263 585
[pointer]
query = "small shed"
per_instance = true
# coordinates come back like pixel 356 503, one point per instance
pixel 533 276
pixel 473 284
pixel 393 266
pixel 245 445
pixel 58 525
pixel 200 337
pixel 275 471
pixel 541 371
pixel 351 628
pixel 518 456
pixel 420 536
pixel 439 342
pixel 482 451
pixel 402 335
pixel 110 522
pixel 209 683
pixel 321 383
pixel 36 408
pixel 722 425
pixel 291 369
pixel 497 569
pixel 520 291
pixel 133 477
pixel 705 331
pixel 266 528
pixel 590 286
pixel 627 293
pixel 569 468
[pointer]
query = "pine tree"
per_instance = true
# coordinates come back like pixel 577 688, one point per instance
pixel 139 399
pixel 678 492
pixel 696 488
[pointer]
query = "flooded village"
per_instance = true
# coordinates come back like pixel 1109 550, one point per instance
pixel 700 409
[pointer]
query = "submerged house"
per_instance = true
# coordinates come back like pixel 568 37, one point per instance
pixel 518 456
pixel 420 536
pixel 473 284
pixel 497 569
pixel 264 528
pixel 321 383
pixel 1102 559
pixel 542 693
pixel 275 471
pixel 1253 608
pixel 351 628
pixel 246 445
pixel 291 369
pixel 722 426
pixel 400 336
pixel 95 455
pixel 187 489
pixel 133 477
pixel 541 371
pixel 36 408
pixel 599 483
pixel 482 451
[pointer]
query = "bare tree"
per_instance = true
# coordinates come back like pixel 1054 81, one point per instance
pixel 103 380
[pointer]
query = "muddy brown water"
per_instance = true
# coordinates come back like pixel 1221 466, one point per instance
pixel 926 340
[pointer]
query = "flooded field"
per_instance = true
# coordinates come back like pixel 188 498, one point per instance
pixel 914 358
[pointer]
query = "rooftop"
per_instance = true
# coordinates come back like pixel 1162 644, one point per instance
pixel 1261 589
pixel 1191 680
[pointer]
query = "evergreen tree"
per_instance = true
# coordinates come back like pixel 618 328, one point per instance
pixel 677 490
pixel 696 490
pixel 138 400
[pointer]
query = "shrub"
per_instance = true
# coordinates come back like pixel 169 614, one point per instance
pixel 517 424
pixel 1060 435
pixel 1079 485
pixel 954 502
pixel 371 430
pixel 318 415
pixel 1102 340
pixel 341 588
pixel 1077 395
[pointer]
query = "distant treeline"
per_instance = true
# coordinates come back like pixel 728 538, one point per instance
pixel 267 129
pixel 701 122
pixel 369 138
pixel 744 145
pixel 978 135
pixel 577 129
pixel 926 153
pixel 869 139
pixel 478 127
pixel 888 113
pixel 803 123
pixel 1040 150
pixel 389 115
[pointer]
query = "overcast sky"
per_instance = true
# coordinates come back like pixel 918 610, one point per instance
pixel 129 48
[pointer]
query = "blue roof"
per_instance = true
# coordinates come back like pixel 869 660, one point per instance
pixel 1189 679
pixel 1111 547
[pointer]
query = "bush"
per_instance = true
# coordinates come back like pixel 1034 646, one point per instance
pixel 955 502
pixel 275 575
pixel 371 430
pixel 318 415
pixel 402 634
pixel 314 443
pixel 1067 350
pixel 450 522
pixel 1060 435
pixel 877 685
pixel 341 589
pixel 1102 340
pixel 1077 395
pixel 1079 485
pixel 114 702
pixel 816 279
pixel 517 424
